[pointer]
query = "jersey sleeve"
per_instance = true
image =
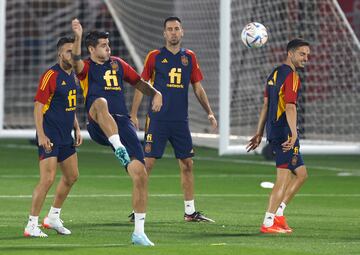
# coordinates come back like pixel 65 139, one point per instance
pixel 130 75
pixel 47 86
pixel 196 74
pixel 291 88
pixel 82 75
pixel 149 65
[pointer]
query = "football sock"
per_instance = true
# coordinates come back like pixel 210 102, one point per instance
pixel 280 210
pixel 139 223
pixel 54 212
pixel 189 207
pixel 115 141
pixel 33 220
pixel 269 219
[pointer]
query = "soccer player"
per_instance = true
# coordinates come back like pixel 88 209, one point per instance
pixel 101 78
pixel 279 114
pixel 170 69
pixel 54 112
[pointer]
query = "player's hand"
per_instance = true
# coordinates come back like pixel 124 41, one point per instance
pixel 78 138
pixel 135 121
pixel 254 142
pixel 213 122
pixel 289 143
pixel 45 142
pixel 76 27
pixel 157 102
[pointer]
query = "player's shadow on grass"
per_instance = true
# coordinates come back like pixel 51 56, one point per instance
pixel 11 238
pixel 111 224
pixel 231 234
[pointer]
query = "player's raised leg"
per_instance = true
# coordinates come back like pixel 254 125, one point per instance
pixel 99 112
pixel 47 177
pixel 70 174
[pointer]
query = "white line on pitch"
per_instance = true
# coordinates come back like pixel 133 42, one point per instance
pixel 65 245
pixel 180 195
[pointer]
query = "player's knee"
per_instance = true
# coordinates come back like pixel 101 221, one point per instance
pixel 303 177
pixel 71 179
pixel 137 171
pixel 47 181
pixel 149 166
pixel 302 174
pixel 187 165
pixel 100 104
pixel 139 176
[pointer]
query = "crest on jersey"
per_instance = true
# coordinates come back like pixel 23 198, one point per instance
pixel 184 60
pixel 114 65
pixel 147 148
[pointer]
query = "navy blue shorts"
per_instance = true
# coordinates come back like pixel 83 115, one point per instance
pixel 159 132
pixel 291 159
pixel 127 134
pixel 62 152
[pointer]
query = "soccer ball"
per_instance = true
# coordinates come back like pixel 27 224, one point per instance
pixel 254 35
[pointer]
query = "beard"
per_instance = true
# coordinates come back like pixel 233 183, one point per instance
pixel 174 42
pixel 104 57
pixel 66 64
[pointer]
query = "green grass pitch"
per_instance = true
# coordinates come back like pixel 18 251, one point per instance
pixel 324 215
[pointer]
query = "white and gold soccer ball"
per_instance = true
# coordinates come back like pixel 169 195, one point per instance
pixel 254 35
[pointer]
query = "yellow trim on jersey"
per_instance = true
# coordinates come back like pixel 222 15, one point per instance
pixel 84 84
pixel 47 105
pixel 147 123
pixel 148 55
pixel 275 76
pixel 281 103
pixel 45 79
pixel 295 82
pixel 152 79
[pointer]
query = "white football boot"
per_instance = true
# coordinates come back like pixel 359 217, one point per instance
pixel 34 231
pixel 56 224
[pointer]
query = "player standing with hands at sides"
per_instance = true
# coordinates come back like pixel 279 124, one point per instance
pixel 170 69
pixel 279 114
pixel 101 78
pixel 54 113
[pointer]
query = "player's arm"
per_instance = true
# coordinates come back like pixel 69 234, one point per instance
pixel 43 140
pixel 146 89
pixel 256 139
pixel 291 116
pixel 291 89
pixel 78 63
pixel 204 101
pixel 78 138
pixel 138 96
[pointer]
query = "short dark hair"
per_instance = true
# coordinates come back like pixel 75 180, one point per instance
pixel 171 18
pixel 296 43
pixel 64 40
pixel 91 39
